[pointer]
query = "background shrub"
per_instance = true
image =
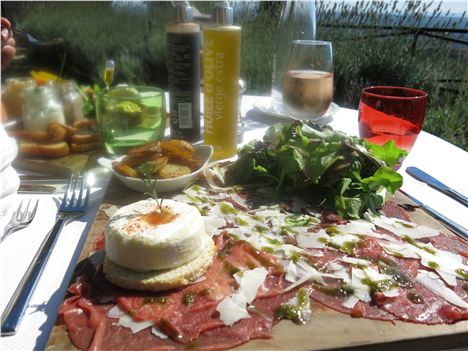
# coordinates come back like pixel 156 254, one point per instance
pixel 133 35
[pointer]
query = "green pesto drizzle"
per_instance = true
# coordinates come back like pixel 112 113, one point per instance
pixel 347 246
pixel 207 291
pixel 462 272
pixel 251 265
pixel 376 286
pixel 226 209
pixel 415 298
pixel 242 222
pixel 196 188
pixel 339 291
pixel 267 249
pixel 156 299
pixel 260 229
pixel 285 231
pixel 188 299
pixel 273 241
pixel 415 243
pixel 228 266
pixel 331 230
pixel 294 312
pixel 391 268
pixel 323 240
pixel 406 225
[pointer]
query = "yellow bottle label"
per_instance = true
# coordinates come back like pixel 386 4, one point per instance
pixel 221 68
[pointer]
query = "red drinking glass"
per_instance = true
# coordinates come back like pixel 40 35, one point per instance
pixel 391 113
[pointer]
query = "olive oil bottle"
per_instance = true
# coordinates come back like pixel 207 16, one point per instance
pixel 221 70
pixel 183 66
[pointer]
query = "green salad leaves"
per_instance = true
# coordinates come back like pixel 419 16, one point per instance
pixel 330 169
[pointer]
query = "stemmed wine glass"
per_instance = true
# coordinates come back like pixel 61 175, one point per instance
pixel 109 71
pixel 308 81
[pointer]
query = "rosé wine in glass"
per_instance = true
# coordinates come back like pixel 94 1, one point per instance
pixel 391 113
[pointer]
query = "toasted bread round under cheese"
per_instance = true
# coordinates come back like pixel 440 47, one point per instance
pixel 166 279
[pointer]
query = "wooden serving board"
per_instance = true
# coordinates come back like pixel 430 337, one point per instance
pixel 327 329
pixel 61 166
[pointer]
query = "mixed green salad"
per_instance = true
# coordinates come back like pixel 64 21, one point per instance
pixel 330 169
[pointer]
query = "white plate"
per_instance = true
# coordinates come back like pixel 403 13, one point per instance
pixel 202 152
pixel 278 111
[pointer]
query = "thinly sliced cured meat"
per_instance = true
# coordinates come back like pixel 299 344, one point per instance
pixel 419 305
pixel 187 315
pixel 187 312
pixel 392 209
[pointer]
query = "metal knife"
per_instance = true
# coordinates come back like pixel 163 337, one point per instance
pixel 43 178
pixel 458 229
pixel 437 184
pixel 35 189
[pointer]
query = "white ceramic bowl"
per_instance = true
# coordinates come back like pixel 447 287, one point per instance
pixel 202 152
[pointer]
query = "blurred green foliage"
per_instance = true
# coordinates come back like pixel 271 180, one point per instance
pixel 132 33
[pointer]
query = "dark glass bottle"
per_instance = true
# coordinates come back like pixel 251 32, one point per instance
pixel 183 65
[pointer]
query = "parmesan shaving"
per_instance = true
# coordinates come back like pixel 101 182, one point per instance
pixel 359 227
pixel 157 332
pixel 234 308
pixel 401 227
pixel 313 240
pixel 127 321
pixel 432 282
pixel 350 302
pixel 353 260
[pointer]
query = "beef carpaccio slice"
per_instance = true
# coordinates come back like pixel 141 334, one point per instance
pixel 188 324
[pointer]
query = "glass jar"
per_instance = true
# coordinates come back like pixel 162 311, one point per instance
pixel 13 97
pixel 41 107
pixel 72 100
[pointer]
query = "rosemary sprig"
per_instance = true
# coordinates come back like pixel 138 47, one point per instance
pixel 146 169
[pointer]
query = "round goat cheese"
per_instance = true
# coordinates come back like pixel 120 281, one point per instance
pixel 140 238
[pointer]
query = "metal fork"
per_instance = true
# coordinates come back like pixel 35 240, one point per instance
pixel 74 204
pixel 20 218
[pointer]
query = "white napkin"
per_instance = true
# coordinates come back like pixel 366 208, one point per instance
pixel 9 180
pixel 8 149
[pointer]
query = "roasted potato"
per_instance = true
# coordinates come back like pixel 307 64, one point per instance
pixel 125 170
pixel 134 161
pixel 169 159
pixel 173 171
pixel 145 150
pixel 189 162
pixel 159 164
pixel 179 149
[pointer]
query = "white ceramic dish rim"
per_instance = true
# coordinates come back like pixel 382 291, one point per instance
pixel 163 185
